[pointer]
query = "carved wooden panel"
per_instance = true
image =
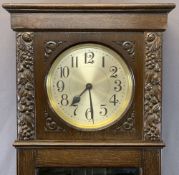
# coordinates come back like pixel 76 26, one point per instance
pixel 152 86
pixel 129 123
pixel 51 125
pixel 51 46
pixel 25 86
pixel 88 157
pixel 128 46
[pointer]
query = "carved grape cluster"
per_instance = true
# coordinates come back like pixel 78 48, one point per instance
pixel 25 86
pixel 152 89
pixel 152 108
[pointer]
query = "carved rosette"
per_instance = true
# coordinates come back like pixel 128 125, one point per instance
pixel 51 125
pixel 152 86
pixel 128 46
pixel 51 46
pixel 25 86
pixel 129 124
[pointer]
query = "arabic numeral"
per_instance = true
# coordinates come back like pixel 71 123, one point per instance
pixel 74 61
pixel 88 114
pixel 64 72
pixel 118 86
pixel 75 110
pixel 64 100
pixel 113 70
pixel 103 61
pixel 114 100
pixel 103 110
pixel 60 85
pixel 89 57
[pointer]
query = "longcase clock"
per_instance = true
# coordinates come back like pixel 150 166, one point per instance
pixel 89 81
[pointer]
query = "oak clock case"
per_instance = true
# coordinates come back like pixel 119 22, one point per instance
pixel 89 92
pixel 89 86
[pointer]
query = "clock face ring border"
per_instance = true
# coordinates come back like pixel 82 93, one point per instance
pixel 115 117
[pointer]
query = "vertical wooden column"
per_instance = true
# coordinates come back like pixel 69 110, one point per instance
pixel 151 162
pixel 25 162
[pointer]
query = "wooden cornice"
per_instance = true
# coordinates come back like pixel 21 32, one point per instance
pixel 137 7
pixel 89 16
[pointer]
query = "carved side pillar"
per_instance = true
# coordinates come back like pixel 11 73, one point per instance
pixel 25 86
pixel 152 86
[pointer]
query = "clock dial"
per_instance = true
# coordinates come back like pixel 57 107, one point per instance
pixel 89 86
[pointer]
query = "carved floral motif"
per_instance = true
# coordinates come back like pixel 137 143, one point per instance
pixel 128 46
pixel 25 86
pixel 51 46
pixel 51 125
pixel 129 123
pixel 152 91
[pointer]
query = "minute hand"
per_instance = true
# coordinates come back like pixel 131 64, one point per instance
pixel 91 106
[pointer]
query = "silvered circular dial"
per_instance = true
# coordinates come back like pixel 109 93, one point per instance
pixel 89 86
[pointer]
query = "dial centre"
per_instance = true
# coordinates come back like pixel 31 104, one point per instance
pixel 89 86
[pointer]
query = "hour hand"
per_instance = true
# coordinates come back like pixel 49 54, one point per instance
pixel 76 99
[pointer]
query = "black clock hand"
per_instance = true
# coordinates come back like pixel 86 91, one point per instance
pixel 91 105
pixel 76 99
